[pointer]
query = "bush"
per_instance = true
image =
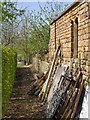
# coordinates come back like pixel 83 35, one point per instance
pixel 9 63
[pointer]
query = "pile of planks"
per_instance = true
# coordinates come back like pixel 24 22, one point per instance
pixel 37 84
pixel 63 90
pixel 69 105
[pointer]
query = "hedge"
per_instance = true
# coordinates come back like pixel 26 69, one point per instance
pixel 9 63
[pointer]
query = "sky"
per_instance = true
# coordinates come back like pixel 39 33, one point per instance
pixel 45 0
pixel 33 5
pixel 30 5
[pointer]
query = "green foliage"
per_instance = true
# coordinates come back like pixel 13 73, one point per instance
pixel 0 82
pixel 9 63
pixel 10 19
pixel 40 25
pixel 10 11
pixel 39 40
pixel 30 33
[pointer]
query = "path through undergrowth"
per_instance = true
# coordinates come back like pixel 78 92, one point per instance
pixel 21 104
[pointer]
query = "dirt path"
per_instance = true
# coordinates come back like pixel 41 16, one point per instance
pixel 22 105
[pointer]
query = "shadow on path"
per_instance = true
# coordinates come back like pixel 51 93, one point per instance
pixel 21 105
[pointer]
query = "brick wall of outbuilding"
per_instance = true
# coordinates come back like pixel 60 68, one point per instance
pixel 60 30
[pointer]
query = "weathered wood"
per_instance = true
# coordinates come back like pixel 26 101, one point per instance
pixel 38 81
pixel 61 76
pixel 37 92
pixel 55 81
pixel 65 103
pixel 77 99
pixel 69 114
pixel 51 80
pixel 50 73
pixel 40 75
pixel 37 85
pixel 58 96
pixel 70 103
pixel 79 76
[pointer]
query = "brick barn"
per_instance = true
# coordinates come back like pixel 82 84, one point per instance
pixel 72 29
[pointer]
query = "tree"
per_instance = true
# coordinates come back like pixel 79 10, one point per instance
pixel 23 42
pixel 35 29
pixel 9 22
pixel 28 32
pixel 40 23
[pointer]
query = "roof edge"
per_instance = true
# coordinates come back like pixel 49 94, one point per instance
pixel 64 12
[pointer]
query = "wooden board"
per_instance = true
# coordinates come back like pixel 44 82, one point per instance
pixel 43 91
pixel 56 80
pixel 54 102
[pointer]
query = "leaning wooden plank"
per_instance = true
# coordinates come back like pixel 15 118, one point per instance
pixel 40 85
pixel 43 78
pixel 69 114
pixel 70 104
pixel 45 95
pixel 51 80
pixel 57 77
pixel 72 87
pixel 79 76
pixel 50 73
pixel 77 99
pixel 57 97
pixel 64 103
pixel 56 80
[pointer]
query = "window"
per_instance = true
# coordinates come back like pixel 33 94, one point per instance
pixel 74 38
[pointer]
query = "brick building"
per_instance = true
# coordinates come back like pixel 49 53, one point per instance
pixel 72 29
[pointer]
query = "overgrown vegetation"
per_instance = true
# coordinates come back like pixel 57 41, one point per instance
pixel 9 63
pixel 28 30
